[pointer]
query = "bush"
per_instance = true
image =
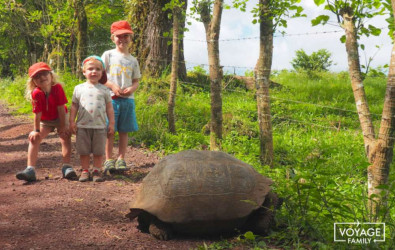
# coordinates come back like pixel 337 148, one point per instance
pixel 317 61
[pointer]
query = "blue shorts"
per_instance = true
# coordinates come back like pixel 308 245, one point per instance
pixel 125 115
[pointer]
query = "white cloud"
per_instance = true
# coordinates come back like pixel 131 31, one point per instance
pixel 241 54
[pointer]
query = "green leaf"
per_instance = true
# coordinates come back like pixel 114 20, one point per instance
pixel 374 31
pixel 362 46
pixel 343 39
pixel 377 4
pixel 323 19
pixel 249 235
pixel 319 2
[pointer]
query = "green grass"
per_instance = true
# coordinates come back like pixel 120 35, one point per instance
pixel 320 168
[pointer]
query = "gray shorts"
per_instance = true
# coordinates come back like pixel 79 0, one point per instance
pixel 55 123
pixel 91 141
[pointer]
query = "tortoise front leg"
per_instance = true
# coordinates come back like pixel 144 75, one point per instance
pixel 160 229
pixel 262 220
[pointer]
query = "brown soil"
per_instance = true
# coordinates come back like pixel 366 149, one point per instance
pixel 55 213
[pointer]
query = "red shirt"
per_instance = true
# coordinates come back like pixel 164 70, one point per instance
pixel 48 105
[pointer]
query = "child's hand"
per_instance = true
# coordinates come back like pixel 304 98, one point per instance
pixel 110 130
pixel 116 89
pixel 73 127
pixel 127 91
pixel 34 136
pixel 64 132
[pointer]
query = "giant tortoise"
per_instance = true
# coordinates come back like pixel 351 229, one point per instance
pixel 203 193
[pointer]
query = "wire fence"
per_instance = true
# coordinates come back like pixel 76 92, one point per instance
pixel 192 65
pixel 337 126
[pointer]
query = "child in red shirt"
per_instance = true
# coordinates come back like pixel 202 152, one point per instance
pixel 50 112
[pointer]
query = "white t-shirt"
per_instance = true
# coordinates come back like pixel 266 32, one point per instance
pixel 92 100
pixel 121 69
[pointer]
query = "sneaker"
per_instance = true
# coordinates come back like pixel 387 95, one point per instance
pixel 68 172
pixel 109 166
pixel 27 175
pixel 120 165
pixel 96 176
pixel 84 176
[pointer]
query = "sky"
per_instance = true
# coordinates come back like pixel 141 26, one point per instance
pixel 239 43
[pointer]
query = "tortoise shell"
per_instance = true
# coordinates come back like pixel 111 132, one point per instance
pixel 198 186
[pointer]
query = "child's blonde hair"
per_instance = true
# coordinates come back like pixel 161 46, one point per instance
pixel 30 85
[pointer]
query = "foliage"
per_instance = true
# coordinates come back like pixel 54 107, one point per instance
pixel 33 31
pixel 320 167
pixel 317 61
pixel 279 12
pixel 359 10
pixel 379 71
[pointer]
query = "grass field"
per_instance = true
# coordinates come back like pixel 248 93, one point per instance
pixel 320 169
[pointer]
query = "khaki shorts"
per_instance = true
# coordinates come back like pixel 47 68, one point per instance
pixel 91 141
pixel 52 124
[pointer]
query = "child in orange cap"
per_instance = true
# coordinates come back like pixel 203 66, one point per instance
pixel 123 73
pixel 50 113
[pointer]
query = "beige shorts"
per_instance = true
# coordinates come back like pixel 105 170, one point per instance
pixel 55 123
pixel 91 141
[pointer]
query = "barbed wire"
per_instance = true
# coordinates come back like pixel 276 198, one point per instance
pixel 289 100
pixel 275 117
pixel 167 61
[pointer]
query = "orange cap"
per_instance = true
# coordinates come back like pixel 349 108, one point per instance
pixel 38 67
pixel 121 27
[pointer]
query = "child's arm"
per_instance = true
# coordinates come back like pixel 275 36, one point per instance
pixel 63 131
pixel 110 116
pixel 130 90
pixel 73 115
pixel 35 134
pixel 114 87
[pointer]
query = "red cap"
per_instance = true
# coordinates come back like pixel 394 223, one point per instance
pixel 121 27
pixel 38 67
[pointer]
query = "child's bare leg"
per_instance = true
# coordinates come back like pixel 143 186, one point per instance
pixel 97 161
pixel 34 147
pixel 123 144
pixel 66 149
pixel 85 162
pixel 109 146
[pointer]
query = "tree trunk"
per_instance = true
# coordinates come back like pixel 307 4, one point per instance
pixel 380 151
pixel 150 23
pixel 212 26
pixel 264 66
pixel 174 72
pixel 182 69
pixel 357 85
pixel 82 34
pixel 384 148
pixel 159 54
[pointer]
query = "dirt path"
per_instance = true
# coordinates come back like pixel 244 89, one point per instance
pixel 55 213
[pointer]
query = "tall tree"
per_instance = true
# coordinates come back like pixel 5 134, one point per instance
pixel 351 15
pixel 21 40
pixel 152 43
pixel 176 8
pixel 82 34
pixel 271 14
pixel 212 21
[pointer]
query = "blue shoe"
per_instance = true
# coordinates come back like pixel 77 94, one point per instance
pixel 27 175
pixel 68 172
